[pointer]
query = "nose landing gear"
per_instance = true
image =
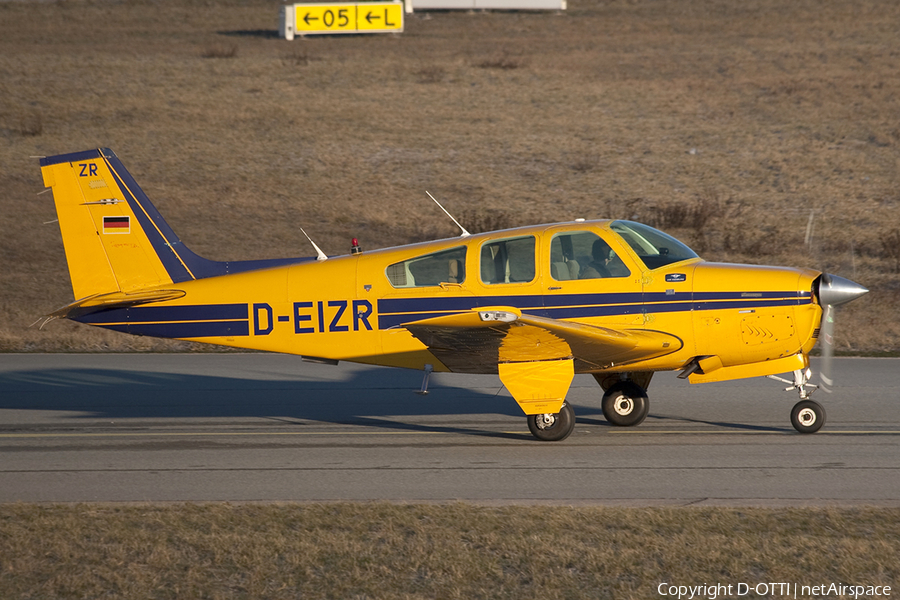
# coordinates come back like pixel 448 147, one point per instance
pixel 807 416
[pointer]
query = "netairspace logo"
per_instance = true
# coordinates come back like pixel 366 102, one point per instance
pixel 771 590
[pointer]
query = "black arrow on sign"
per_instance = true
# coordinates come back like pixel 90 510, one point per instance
pixel 307 18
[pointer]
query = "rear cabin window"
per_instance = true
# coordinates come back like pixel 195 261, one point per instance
pixel 448 266
pixel 508 261
pixel 583 255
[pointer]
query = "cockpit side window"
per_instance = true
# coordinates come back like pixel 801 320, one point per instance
pixel 655 248
pixel 448 266
pixel 508 261
pixel 583 255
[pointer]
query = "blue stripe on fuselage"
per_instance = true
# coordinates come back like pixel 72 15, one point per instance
pixel 393 312
pixel 220 320
pixel 185 330
pixel 163 314
pixel 190 321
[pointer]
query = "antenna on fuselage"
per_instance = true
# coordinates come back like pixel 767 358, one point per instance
pixel 464 232
pixel 321 255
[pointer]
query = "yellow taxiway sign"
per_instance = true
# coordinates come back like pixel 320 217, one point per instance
pixel 364 17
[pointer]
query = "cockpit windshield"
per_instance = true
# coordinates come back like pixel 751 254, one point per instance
pixel 655 248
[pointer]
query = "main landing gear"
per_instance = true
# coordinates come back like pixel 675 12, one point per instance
pixel 553 427
pixel 807 416
pixel 625 402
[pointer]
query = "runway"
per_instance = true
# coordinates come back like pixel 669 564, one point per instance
pixel 264 427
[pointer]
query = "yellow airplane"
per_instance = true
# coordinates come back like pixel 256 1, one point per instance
pixel 616 299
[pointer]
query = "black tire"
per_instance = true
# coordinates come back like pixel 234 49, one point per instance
pixel 807 416
pixel 625 404
pixel 553 427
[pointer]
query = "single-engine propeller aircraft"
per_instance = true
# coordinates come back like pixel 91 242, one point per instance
pixel 616 299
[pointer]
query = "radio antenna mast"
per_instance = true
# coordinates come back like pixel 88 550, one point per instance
pixel 321 255
pixel 464 232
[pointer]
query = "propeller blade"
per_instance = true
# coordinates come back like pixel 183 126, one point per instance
pixel 826 335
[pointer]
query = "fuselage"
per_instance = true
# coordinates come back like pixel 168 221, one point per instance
pixel 354 307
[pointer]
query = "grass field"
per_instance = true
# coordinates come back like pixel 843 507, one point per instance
pixel 733 124
pixel 372 551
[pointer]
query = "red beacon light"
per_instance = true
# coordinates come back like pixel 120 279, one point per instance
pixel 354 247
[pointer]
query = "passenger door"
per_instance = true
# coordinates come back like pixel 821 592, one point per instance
pixel 588 278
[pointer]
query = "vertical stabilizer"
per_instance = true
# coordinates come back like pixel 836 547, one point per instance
pixel 115 239
pixel 107 247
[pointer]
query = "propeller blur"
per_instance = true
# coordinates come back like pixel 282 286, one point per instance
pixel 832 291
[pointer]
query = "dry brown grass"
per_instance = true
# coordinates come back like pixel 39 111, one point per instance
pixel 375 551
pixel 220 51
pixel 730 121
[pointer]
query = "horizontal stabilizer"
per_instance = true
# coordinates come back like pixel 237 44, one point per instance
pixel 99 302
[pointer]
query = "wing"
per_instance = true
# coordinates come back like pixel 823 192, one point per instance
pixel 478 340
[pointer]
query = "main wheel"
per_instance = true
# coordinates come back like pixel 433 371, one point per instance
pixel 625 404
pixel 808 416
pixel 553 427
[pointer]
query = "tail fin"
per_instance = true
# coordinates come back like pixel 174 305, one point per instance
pixel 115 239
pixel 105 228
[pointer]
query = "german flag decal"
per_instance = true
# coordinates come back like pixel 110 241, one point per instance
pixel 116 224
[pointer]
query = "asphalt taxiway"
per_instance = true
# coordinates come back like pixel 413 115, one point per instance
pixel 264 427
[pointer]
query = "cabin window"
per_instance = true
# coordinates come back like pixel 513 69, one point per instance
pixel 508 261
pixel 448 266
pixel 655 248
pixel 583 255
